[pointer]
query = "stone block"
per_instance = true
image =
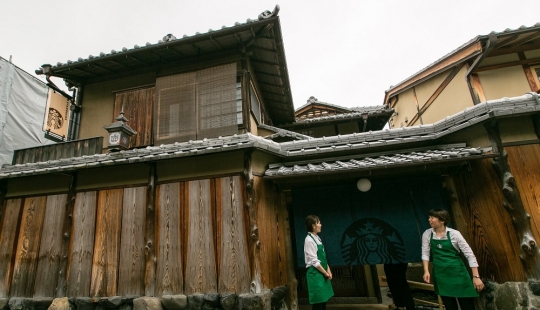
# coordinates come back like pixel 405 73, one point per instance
pixel 4 303
pixel 195 301
pixel 260 301
pixel 174 302
pixel 84 303
pixel 211 300
pixel 147 303
pixel 512 295
pixel 112 302
pixel 229 301
pixel 61 304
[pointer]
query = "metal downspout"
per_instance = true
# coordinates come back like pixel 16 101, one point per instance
pixel 490 45
pixel 77 114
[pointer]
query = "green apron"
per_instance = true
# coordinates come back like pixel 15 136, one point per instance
pixel 319 288
pixel 450 276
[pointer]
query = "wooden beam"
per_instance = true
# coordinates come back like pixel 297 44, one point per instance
pixel 508 64
pixel 265 62
pixel 268 74
pixel 528 73
pixel 510 50
pixel 264 49
pixel 436 93
pixel 526 39
pixel 505 42
pixel 260 34
pixel 150 234
pixel 254 241
pixel 470 51
pixel 441 87
pixel 61 289
pixel 417 107
pixel 477 86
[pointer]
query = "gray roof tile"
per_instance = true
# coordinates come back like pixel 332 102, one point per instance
pixel 527 103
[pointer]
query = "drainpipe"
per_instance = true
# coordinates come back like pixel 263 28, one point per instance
pixel 75 108
pixel 490 45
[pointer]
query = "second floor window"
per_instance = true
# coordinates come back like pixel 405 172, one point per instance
pixel 196 105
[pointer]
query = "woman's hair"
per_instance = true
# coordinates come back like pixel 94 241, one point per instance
pixel 310 221
pixel 440 214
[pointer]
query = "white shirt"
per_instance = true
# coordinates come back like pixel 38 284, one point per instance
pixel 310 250
pixel 457 240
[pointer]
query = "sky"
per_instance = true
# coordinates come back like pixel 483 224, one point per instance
pixel 341 52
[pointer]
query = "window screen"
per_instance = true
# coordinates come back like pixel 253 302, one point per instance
pixel 197 105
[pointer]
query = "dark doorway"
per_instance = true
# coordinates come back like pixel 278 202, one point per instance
pixel 381 225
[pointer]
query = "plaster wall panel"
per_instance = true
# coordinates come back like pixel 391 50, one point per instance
pixel 504 82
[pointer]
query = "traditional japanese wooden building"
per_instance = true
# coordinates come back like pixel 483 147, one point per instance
pixel 209 197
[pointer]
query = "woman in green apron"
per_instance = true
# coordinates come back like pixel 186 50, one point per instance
pixel 450 277
pixel 318 273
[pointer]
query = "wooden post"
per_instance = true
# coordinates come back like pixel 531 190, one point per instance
pixel 66 238
pixel 255 245
pixel 150 235
pixel 529 252
pixel 289 250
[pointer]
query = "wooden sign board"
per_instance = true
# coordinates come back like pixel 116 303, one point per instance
pixel 56 114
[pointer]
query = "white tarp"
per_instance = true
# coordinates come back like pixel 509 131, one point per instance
pixel 22 108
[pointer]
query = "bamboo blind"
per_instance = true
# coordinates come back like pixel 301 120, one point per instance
pixel 196 105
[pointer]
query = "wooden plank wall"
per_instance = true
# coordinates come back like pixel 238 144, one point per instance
pixel 273 231
pixel 169 225
pixel 131 267
pixel 200 241
pixel 524 161
pixel 200 260
pixel 492 236
pixel 233 258
pixel 138 109
pixel 82 245
pixel 8 233
pixel 107 243
pixel 26 255
pixel 50 250
pixel 69 149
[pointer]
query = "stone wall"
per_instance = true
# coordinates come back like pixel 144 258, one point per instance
pixel 510 296
pixel 267 300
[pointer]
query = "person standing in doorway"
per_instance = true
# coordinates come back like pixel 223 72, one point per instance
pixel 396 277
pixel 318 273
pixel 450 277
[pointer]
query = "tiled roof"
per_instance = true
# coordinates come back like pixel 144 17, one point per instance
pixel 261 38
pixel 313 100
pixel 358 112
pixel 325 146
pixel 346 113
pixel 507 31
pixel 403 158
pixel 282 133
pixel 168 39
pixel 527 103
pixel 151 153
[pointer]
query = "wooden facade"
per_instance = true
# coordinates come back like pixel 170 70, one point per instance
pixel 200 235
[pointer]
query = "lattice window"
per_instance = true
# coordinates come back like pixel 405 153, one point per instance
pixel 197 105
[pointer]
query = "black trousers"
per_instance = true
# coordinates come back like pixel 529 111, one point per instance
pixel 396 277
pixel 451 303
pixel 319 306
